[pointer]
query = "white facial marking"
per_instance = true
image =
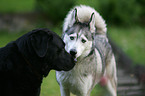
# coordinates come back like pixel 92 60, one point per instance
pixel 73 35
pixel 80 43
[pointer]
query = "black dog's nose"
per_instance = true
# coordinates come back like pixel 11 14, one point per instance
pixel 73 52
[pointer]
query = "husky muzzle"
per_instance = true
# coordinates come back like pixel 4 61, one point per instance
pixel 73 52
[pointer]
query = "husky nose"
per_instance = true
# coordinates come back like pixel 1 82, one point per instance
pixel 73 52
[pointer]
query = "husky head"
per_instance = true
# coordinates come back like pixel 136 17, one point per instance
pixel 79 36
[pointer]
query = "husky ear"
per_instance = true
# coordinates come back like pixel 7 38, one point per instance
pixel 92 23
pixel 74 18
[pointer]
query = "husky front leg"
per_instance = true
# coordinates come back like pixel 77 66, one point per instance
pixel 111 89
pixel 64 91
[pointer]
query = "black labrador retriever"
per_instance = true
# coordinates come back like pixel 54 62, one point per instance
pixel 24 62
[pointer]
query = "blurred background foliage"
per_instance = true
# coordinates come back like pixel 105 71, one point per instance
pixel 117 12
pixel 124 18
pixel 55 10
pixel 120 12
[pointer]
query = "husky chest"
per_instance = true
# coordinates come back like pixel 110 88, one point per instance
pixel 82 75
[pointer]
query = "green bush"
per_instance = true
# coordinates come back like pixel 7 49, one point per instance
pixel 93 3
pixel 117 11
pixel 141 3
pixel 121 11
pixel 55 10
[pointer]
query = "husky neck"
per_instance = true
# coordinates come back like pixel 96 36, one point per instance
pixel 89 53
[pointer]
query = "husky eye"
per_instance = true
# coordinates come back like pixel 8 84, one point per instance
pixel 83 40
pixel 72 38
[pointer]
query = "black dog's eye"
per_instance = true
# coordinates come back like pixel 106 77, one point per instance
pixel 72 38
pixel 83 40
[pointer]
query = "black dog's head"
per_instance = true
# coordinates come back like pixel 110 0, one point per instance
pixel 45 50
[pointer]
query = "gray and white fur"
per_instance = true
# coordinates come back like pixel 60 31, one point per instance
pixel 84 33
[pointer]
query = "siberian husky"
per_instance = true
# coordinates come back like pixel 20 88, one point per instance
pixel 84 33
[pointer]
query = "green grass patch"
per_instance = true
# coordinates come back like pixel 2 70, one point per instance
pixel 16 6
pixel 131 40
pixel 49 86
pixel 6 37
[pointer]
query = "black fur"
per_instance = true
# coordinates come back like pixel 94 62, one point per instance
pixel 24 62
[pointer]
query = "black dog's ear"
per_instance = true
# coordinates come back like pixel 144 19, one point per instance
pixel 39 41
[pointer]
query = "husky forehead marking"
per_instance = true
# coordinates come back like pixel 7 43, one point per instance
pixel 80 30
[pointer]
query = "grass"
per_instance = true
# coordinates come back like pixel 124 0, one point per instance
pixel 50 86
pixel 6 37
pixel 16 6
